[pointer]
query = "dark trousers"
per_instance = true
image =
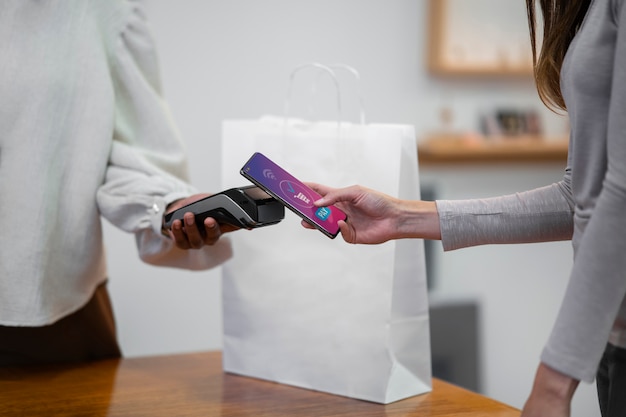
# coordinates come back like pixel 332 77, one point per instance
pixel 611 382
pixel 88 334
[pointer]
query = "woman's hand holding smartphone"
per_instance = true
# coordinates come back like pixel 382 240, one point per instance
pixel 295 195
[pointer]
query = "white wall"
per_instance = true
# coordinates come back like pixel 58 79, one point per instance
pixel 232 59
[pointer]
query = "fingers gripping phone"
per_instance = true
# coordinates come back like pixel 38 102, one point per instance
pixel 296 196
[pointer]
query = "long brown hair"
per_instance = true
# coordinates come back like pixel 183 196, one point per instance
pixel 561 21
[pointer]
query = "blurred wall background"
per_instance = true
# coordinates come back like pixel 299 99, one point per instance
pixel 232 59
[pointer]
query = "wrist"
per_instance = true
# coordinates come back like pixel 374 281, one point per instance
pixel 554 383
pixel 165 231
pixel 169 207
pixel 418 219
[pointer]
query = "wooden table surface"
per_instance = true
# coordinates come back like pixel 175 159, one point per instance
pixel 194 385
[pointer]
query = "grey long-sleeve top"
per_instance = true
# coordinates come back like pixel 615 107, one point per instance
pixel 84 133
pixel 588 205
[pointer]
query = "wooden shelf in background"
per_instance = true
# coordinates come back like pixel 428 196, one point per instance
pixel 449 55
pixel 446 150
pixel 485 71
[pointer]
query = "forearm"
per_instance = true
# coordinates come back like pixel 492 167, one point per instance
pixel 417 219
pixel 539 215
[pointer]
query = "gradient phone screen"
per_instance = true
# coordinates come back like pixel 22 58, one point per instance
pixel 292 193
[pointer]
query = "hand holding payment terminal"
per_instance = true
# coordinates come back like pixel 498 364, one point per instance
pixel 246 207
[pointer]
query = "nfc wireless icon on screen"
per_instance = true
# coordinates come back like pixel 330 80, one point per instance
pixel 267 173
pixel 295 195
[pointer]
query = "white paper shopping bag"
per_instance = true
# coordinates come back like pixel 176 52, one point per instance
pixel 305 310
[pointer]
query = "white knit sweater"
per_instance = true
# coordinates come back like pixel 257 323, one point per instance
pixel 84 133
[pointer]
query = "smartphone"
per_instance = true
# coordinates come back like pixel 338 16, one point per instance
pixel 296 196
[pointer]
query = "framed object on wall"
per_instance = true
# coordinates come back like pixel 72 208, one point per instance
pixel 479 37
